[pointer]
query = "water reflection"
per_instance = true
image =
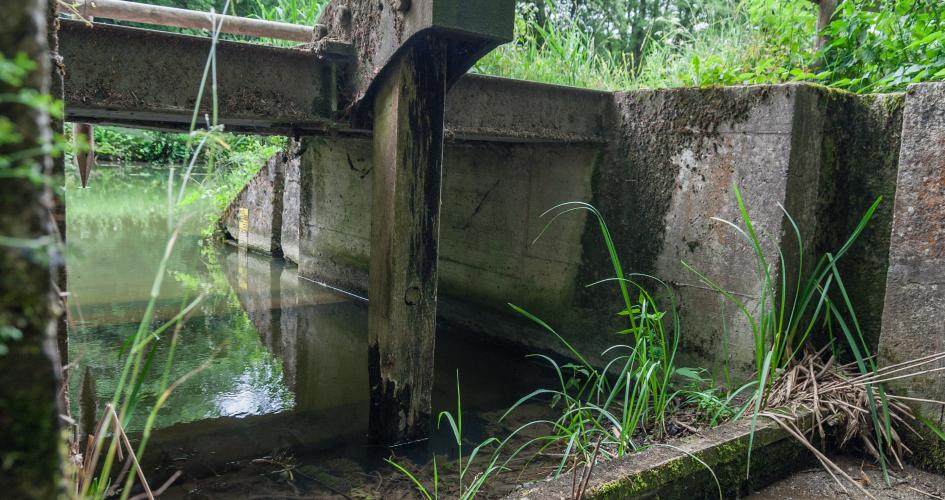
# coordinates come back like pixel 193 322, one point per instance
pixel 287 358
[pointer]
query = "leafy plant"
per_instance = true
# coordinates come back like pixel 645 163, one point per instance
pixel 466 489
pixel 605 409
pixel 884 49
pixel 784 317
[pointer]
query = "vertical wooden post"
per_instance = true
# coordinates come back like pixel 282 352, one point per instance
pixel 84 158
pixel 408 160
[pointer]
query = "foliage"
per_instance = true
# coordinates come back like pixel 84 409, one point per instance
pixel 880 49
pixel 555 52
pixel 630 44
pixel 465 490
pixel 23 163
pixel 785 316
pixel 137 145
pixel 605 409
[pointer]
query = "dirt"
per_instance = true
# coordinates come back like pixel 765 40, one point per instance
pixel 815 482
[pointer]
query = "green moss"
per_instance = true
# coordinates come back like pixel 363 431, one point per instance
pixel 928 450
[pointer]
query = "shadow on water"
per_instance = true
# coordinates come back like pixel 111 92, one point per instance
pixel 289 358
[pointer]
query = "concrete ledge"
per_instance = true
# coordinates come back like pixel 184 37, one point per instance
pixel 490 108
pixel 272 90
pixel 673 473
pixel 144 78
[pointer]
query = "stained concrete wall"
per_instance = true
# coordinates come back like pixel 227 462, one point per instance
pixel 914 310
pixel 667 169
pixel 493 196
pixel 271 203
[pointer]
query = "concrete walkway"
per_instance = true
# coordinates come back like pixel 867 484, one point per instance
pixel 814 482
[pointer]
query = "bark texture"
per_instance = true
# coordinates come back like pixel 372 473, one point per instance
pixel 30 460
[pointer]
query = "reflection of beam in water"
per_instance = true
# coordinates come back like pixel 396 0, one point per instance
pixel 321 339
pixel 320 336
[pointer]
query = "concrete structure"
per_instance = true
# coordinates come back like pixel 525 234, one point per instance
pixel 914 312
pixel 658 164
pixel 664 169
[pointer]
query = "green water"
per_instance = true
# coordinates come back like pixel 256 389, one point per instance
pixel 117 234
pixel 284 360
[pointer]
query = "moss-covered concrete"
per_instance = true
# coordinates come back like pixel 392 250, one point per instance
pixel 675 471
pixel 859 163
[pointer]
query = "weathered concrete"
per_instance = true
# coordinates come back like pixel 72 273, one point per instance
pixel 668 168
pixel 859 162
pixel 914 311
pixel 30 440
pixel 151 79
pixel 262 207
pixel 300 100
pixel 671 169
pixel 291 202
pixel 379 33
pixel 673 472
pixel 489 219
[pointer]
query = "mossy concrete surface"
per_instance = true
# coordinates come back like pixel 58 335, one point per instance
pixel 914 311
pixel 660 165
pixel 680 469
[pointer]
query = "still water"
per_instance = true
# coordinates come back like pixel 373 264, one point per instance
pixel 274 361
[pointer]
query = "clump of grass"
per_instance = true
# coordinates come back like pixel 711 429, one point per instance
pixel 465 488
pixel 556 52
pixel 90 479
pixel 788 374
pixel 613 410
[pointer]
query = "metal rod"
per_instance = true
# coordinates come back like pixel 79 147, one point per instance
pixel 182 18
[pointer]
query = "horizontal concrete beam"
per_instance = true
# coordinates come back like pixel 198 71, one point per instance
pixel 144 78
pixel 141 78
pixel 489 108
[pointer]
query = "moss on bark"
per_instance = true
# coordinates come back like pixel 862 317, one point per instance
pixel 30 444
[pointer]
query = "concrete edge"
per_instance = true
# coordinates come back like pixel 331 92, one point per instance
pixel 673 471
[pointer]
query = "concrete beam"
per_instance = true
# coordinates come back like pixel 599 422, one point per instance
pixel 380 31
pixel 283 90
pixel 144 78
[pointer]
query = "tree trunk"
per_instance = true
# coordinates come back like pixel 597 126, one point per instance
pixel 29 424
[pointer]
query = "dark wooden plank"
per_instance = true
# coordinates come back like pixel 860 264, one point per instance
pixel 408 159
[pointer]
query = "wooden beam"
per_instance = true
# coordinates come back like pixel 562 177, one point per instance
pixel 182 18
pixel 408 157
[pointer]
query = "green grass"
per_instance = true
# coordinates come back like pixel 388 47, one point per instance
pixel 605 408
pixel 466 487
pixel 784 318
pixel 139 356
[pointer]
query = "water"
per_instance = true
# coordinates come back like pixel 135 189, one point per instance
pixel 271 361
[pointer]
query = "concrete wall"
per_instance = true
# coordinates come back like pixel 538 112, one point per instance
pixel 271 203
pixel 914 312
pixel 667 169
pixel 494 194
pixel 660 179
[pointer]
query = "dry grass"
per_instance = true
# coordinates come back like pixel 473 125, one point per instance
pixel 838 398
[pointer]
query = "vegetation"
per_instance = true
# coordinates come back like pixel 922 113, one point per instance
pixel 623 44
pixel 628 44
pixel 602 410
